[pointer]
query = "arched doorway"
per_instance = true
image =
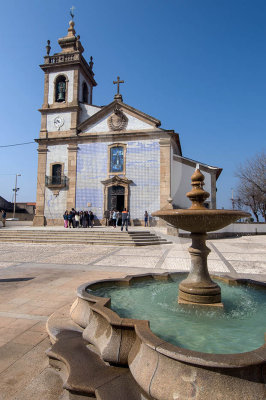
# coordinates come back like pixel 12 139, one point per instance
pixel 116 198
pixel 116 193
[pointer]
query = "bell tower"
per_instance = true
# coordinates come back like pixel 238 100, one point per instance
pixel 69 81
pixel 68 89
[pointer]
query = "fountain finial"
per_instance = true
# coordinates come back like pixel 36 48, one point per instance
pixel 197 195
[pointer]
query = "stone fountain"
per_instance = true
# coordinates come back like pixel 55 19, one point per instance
pixel 103 355
pixel 198 288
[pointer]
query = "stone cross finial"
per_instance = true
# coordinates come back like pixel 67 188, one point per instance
pixel 118 83
pixel 72 12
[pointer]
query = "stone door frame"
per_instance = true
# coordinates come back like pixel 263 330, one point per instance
pixel 116 181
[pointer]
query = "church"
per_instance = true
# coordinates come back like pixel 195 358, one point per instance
pixel 100 158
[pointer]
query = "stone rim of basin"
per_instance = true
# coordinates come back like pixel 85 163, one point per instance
pixel 100 306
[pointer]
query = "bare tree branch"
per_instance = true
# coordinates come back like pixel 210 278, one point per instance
pixel 252 185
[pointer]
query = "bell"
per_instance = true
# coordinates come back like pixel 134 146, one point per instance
pixel 61 90
pixel 61 96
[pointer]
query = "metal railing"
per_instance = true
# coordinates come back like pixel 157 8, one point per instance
pixel 59 181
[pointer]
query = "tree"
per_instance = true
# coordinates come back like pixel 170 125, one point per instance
pixel 252 185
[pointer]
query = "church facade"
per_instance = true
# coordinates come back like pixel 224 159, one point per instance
pixel 102 158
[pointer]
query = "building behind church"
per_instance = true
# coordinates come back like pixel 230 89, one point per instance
pixel 101 158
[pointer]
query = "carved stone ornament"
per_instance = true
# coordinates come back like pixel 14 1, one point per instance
pixel 117 121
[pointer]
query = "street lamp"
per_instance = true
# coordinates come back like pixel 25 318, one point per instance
pixel 15 190
pixel 233 201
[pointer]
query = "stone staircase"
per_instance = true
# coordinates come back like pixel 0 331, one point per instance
pixel 80 236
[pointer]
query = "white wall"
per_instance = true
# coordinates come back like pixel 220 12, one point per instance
pixel 55 205
pixel 133 124
pixel 50 121
pixel 181 183
pixel 87 111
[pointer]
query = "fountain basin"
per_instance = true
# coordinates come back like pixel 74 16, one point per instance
pixel 200 220
pixel 165 371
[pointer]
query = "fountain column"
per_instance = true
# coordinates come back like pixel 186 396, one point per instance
pixel 198 286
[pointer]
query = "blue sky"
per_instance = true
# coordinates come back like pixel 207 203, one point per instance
pixel 198 66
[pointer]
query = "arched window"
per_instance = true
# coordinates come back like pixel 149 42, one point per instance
pixel 60 89
pixel 85 93
pixel 56 174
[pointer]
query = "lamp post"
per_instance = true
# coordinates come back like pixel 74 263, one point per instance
pixel 233 201
pixel 15 197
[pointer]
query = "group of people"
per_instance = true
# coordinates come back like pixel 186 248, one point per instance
pixel 114 217
pixel 85 219
pixel 78 219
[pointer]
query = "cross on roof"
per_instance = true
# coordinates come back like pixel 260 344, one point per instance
pixel 72 11
pixel 117 83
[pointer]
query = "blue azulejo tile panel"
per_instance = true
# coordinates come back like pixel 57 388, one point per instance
pixel 91 170
pixel 143 168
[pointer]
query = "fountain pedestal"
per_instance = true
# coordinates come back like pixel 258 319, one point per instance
pixel 198 288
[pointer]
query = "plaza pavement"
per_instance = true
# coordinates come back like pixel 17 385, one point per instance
pixel 37 279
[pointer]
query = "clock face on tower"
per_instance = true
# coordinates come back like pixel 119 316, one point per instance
pixel 58 122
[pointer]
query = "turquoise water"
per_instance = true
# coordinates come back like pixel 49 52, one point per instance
pixel 237 328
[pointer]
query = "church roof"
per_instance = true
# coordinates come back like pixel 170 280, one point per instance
pixel 193 163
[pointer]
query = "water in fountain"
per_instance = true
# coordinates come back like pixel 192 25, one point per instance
pixel 238 327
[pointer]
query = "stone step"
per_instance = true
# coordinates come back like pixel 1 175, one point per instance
pixel 115 238
pixel 79 240
pixel 96 242
pixel 82 231
pixel 87 237
pixel 85 234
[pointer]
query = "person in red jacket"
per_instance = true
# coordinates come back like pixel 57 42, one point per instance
pixel 125 218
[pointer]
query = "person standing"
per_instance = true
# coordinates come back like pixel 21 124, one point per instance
pixel 106 216
pixel 124 219
pixel 3 218
pixel 114 215
pixel 77 219
pixel 65 216
pixel 71 218
pixel 117 217
pixel 85 219
pixel 91 219
pixel 146 218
